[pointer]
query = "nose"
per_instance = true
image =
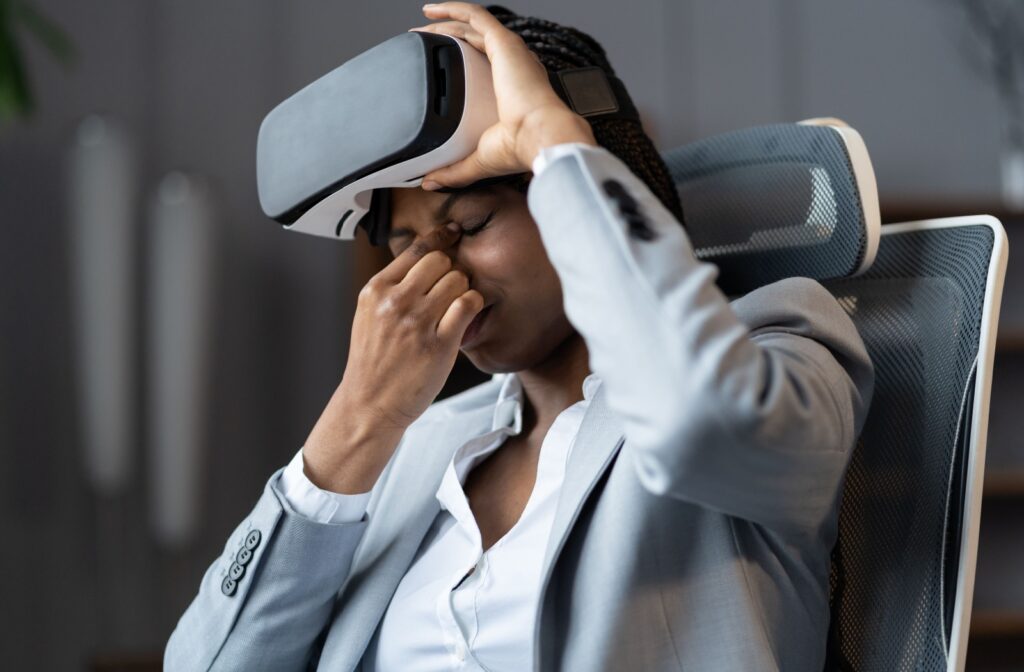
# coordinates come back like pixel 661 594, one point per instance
pixel 458 259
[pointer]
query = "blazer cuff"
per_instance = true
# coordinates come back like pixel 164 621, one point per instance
pixel 548 154
pixel 317 504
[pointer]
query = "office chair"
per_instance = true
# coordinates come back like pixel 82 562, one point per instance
pixel 792 200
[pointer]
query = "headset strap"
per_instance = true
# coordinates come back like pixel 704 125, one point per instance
pixel 592 92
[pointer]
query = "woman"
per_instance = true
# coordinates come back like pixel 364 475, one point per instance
pixel 650 480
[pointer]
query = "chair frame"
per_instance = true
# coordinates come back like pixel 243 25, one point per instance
pixel 975 460
pixel 864 177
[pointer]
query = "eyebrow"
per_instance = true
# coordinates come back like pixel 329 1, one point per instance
pixel 442 212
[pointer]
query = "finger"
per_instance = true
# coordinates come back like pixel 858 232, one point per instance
pixel 511 60
pixel 476 16
pixel 494 36
pixel 459 315
pixel 449 287
pixel 455 29
pixel 501 160
pixel 437 239
pixel 426 272
pixel 459 174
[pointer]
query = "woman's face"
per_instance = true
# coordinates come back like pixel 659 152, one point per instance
pixel 505 261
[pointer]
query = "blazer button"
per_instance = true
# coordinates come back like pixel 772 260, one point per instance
pixel 252 540
pixel 638 228
pixel 244 556
pixel 228 586
pixel 236 571
pixel 615 189
pixel 630 210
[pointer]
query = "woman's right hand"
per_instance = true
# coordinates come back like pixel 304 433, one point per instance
pixel 406 333
pixel 407 329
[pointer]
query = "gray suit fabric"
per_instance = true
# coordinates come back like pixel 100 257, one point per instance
pixel 699 508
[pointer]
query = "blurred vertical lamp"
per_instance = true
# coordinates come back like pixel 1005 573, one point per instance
pixel 102 211
pixel 179 303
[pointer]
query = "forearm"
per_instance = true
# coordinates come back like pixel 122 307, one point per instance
pixel 347 450
pixel 747 407
pixel 269 617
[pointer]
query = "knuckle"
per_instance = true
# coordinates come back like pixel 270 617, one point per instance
pixel 370 291
pixel 388 307
pixel 402 295
pixel 420 248
pixel 437 256
pixel 511 38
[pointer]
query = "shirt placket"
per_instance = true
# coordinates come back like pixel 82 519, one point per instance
pixel 459 582
pixel 466 581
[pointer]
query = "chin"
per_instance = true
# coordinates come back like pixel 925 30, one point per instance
pixel 490 357
pixel 486 363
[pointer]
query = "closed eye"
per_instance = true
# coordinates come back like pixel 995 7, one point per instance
pixel 472 231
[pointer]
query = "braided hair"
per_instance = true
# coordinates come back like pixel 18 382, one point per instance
pixel 560 47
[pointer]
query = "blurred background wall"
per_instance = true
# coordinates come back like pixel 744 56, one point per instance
pixel 84 581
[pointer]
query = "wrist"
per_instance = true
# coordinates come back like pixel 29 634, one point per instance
pixel 347 458
pixel 544 128
pixel 348 448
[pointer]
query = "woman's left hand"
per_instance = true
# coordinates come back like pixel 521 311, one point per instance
pixel 531 116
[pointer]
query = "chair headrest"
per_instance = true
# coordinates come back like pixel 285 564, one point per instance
pixel 777 201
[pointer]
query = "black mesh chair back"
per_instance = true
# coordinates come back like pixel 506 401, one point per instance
pixel 778 201
pixel 796 200
pixel 903 567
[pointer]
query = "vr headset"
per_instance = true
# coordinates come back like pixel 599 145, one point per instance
pixel 762 203
pixel 326 156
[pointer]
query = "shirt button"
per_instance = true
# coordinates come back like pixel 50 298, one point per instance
pixel 460 652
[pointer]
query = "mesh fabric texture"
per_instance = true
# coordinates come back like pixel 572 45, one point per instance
pixel 894 566
pixel 771 202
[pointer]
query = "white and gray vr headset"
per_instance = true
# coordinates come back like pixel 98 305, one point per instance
pixel 419 101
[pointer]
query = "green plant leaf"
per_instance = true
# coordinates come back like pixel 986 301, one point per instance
pixel 15 95
pixel 45 30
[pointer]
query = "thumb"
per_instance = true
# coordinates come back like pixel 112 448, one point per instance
pixel 492 157
pixel 458 316
pixel 459 174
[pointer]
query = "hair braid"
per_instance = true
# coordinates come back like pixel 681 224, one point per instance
pixel 560 47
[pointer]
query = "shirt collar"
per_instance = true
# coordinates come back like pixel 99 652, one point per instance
pixel 508 409
pixel 508 420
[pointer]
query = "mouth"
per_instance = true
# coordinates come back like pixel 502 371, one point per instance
pixel 475 328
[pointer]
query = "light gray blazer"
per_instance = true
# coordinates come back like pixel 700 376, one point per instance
pixel 699 507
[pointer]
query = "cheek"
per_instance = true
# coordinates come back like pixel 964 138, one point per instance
pixel 509 255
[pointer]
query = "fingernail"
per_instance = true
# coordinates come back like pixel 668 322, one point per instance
pixel 452 226
pixel 429 4
pixel 430 185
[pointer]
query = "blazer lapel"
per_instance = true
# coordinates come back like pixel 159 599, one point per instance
pixel 406 508
pixel 599 438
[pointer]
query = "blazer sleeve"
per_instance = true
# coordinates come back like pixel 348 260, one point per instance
pixel 270 616
pixel 749 407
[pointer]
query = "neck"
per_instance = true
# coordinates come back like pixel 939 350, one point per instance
pixel 555 384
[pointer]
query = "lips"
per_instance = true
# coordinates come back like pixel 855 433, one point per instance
pixel 475 327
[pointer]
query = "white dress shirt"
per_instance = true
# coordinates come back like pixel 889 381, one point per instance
pixel 458 607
